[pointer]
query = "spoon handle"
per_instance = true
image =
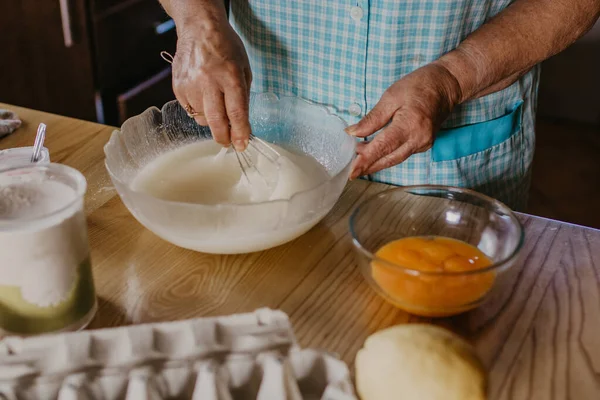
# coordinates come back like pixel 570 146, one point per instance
pixel 39 142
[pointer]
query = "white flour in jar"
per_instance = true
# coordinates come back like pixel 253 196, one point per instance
pixel 42 248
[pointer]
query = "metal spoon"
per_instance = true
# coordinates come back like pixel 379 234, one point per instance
pixel 39 142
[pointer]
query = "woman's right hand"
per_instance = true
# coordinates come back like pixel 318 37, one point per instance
pixel 211 74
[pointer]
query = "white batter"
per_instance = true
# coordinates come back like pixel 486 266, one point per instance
pixel 206 173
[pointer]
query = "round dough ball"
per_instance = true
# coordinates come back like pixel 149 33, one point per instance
pixel 418 361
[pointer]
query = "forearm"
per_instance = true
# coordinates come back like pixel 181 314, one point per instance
pixel 524 34
pixel 502 84
pixel 185 12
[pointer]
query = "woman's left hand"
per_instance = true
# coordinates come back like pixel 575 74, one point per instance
pixel 411 110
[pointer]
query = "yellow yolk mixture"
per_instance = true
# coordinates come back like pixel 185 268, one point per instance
pixel 429 294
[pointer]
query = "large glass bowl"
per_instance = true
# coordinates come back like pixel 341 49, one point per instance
pixel 290 122
pixel 426 211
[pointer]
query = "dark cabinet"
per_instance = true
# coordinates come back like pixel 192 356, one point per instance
pixel 92 59
pixel 151 91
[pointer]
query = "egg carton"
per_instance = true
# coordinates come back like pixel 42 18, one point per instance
pixel 243 356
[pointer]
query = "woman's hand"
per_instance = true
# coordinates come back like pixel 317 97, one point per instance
pixel 211 74
pixel 411 110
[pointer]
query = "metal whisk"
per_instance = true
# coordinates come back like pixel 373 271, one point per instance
pixel 261 147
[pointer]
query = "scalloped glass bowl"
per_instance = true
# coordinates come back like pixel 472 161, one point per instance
pixel 290 122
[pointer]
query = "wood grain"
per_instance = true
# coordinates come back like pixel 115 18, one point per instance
pixel 538 337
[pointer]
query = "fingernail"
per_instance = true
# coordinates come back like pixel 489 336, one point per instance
pixel 240 144
pixel 355 172
pixel 351 130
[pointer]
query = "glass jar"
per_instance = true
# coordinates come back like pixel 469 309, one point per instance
pixel 21 156
pixel 46 282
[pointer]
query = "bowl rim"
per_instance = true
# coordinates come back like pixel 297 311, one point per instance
pixel 449 189
pixel 236 205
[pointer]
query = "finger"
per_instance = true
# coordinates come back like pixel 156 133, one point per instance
pixel 180 95
pixel 192 98
pixel 360 147
pixel 216 117
pixel 248 78
pixel 394 158
pixel 375 119
pixel 200 120
pixel 197 104
pixel 383 144
pixel 236 103
pixel 357 171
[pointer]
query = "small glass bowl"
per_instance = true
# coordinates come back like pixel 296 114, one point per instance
pixel 435 211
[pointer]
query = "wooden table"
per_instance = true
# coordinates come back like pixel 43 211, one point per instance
pixel 541 341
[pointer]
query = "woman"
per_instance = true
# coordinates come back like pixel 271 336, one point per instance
pixel 443 91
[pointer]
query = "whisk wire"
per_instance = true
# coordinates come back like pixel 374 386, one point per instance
pixel 252 165
pixel 261 147
pixel 257 143
pixel 237 156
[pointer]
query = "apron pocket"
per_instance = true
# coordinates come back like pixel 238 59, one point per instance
pixel 489 157
pixel 455 143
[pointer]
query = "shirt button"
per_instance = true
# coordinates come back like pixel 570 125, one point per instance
pixel 356 13
pixel 355 110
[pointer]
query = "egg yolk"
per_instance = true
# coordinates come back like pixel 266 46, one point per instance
pixel 430 294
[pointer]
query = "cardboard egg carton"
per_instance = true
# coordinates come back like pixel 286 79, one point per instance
pixel 244 356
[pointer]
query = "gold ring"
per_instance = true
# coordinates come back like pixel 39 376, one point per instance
pixel 191 112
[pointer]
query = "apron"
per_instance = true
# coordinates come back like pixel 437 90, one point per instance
pixel 345 54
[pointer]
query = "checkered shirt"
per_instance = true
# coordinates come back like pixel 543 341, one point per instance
pixel 344 54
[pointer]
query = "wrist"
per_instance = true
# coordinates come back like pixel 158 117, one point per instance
pixel 448 85
pixel 205 15
pixel 463 67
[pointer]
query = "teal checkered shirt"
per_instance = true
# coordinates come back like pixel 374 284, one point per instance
pixel 345 54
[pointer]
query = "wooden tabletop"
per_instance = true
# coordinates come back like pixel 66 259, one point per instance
pixel 539 340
